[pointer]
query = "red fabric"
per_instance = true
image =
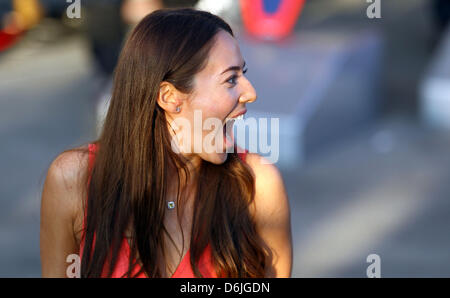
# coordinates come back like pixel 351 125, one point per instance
pixel 184 269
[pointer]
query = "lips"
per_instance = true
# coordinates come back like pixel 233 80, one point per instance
pixel 242 112
pixel 229 121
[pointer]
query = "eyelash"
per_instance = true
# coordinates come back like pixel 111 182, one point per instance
pixel 234 77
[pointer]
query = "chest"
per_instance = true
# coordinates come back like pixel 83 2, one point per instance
pixel 177 226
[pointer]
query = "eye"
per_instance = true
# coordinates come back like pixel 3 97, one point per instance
pixel 232 79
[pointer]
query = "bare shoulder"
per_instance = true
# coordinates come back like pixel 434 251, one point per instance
pixel 270 192
pixel 61 207
pixel 63 187
pixel 272 215
pixel 66 171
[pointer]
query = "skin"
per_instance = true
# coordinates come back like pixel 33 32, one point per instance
pixel 216 94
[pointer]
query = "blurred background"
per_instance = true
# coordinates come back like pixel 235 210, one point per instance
pixel 362 91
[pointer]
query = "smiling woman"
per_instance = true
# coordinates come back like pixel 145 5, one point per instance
pixel 131 206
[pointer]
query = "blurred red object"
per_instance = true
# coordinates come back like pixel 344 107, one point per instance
pixel 7 39
pixel 263 23
pixel 25 14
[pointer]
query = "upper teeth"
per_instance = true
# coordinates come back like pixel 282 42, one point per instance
pixel 240 117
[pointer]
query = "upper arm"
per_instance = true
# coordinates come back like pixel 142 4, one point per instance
pixel 272 215
pixel 60 208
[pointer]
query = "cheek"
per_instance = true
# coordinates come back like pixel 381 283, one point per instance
pixel 217 101
pixel 218 106
pixel 224 104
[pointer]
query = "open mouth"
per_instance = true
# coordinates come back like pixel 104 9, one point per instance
pixel 228 133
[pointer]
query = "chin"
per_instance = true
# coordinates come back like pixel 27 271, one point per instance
pixel 216 158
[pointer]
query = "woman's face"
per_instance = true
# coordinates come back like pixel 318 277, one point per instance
pixel 220 91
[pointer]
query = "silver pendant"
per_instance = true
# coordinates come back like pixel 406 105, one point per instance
pixel 171 205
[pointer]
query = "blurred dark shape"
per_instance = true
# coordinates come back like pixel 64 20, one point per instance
pixel 441 11
pixel 5 7
pixel 54 8
pixel 179 3
pixel 106 27
pixel 105 30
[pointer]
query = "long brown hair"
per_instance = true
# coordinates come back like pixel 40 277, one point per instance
pixel 129 180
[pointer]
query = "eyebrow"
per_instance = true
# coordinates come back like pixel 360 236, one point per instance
pixel 237 68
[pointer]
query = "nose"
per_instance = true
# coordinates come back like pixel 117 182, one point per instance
pixel 248 94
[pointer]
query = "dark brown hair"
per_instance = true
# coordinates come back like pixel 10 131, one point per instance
pixel 129 182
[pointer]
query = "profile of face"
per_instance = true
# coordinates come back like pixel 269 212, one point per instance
pixel 220 92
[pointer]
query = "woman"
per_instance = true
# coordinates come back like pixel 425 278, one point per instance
pixel 133 204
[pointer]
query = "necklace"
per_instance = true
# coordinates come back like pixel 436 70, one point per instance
pixel 171 205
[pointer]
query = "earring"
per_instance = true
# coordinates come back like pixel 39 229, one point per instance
pixel 178 109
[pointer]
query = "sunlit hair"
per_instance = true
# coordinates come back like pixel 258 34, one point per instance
pixel 129 180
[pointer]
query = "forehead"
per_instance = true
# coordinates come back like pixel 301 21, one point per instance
pixel 224 53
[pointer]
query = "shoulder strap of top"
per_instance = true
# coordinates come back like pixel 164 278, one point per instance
pixel 92 149
pixel 243 155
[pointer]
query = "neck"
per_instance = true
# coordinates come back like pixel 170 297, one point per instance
pixel 193 163
pixel 186 184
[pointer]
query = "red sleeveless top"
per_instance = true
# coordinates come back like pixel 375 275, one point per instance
pixel 184 269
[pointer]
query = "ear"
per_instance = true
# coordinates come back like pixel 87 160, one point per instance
pixel 169 98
